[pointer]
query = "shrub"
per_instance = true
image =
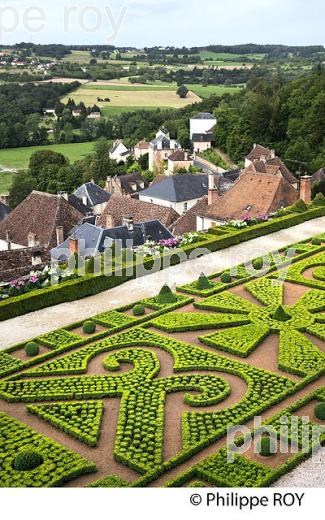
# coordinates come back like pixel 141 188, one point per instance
pixel 319 411
pixel 266 447
pixel 89 327
pixel 299 206
pixel 258 263
pixel 225 278
pixel 316 241
pixel 32 349
pixel 138 310
pixel 165 296
pixel 280 314
pixel 203 283
pixel 90 266
pixel 27 460
pixel 319 200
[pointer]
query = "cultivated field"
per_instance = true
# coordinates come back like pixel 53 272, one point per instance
pixel 126 98
pixel 145 393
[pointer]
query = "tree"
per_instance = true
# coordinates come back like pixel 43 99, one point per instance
pixel 43 158
pixel 23 184
pixel 182 91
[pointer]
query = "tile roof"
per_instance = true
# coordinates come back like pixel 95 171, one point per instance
pixel 18 262
pixel 252 193
pixel 119 207
pixel 94 193
pixel 142 145
pixel 319 175
pixel 40 213
pixel 259 151
pixel 187 222
pixel 132 178
pixel 179 156
pixel 272 166
pixel 4 210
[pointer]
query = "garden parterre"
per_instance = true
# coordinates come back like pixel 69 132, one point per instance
pixel 58 389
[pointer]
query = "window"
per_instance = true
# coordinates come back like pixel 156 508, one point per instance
pixel 185 207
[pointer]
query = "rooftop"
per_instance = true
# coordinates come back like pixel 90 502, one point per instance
pixel 204 115
pixel 94 193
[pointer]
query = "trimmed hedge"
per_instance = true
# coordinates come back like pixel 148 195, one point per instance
pixel 32 349
pixel 27 460
pixel 89 327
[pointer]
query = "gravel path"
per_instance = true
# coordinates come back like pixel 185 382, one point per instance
pixel 39 322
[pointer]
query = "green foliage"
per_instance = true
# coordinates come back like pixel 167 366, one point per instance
pixel 165 296
pixel 60 338
pixel 178 321
pixel 112 481
pixel 203 283
pixel 280 314
pixel 139 310
pixel 57 464
pixel 89 327
pixel 319 200
pixel 299 206
pixel 319 411
pixel 240 341
pixel 316 242
pixel 32 349
pixel 90 265
pixel 266 446
pixel 80 420
pixel 27 460
pixel 225 278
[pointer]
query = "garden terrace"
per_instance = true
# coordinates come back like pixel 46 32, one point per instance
pixel 146 396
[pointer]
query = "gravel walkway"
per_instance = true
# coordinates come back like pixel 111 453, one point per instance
pixel 39 322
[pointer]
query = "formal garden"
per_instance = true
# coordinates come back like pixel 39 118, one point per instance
pixel 143 395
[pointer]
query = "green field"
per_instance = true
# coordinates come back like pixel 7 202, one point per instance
pixel 116 111
pixel 211 90
pixel 130 87
pixel 18 158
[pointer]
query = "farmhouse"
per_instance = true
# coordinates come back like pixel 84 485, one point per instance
pixel 252 195
pixel 119 209
pixel 94 114
pixel 272 166
pixel 128 184
pixel 92 196
pixel 119 152
pixel 201 131
pixel 161 148
pixel 39 220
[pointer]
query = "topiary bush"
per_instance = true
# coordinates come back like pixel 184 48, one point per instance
pixel 316 241
pixel 139 310
pixel 165 296
pixel 258 263
pixel 89 327
pixel 319 200
pixel 299 206
pixel 280 314
pixel 319 411
pixel 203 283
pixel 266 448
pixel 225 278
pixel 32 349
pixel 27 460
pixel 90 266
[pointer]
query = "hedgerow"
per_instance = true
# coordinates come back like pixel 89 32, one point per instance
pixel 240 341
pixel 112 481
pixel 298 355
pixel 296 272
pixel 178 321
pixel 59 338
pixel 81 420
pixel 58 463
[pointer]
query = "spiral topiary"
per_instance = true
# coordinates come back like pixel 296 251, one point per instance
pixel 319 411
pixel 138 310
pixel 89 327
pixel 27 460
pixel 32 349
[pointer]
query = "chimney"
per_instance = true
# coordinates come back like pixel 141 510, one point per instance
pixel 109 185
pixel 59 235
pixel 273 154
pixel 8 240
pixel 128 222
pixel 37 258
pixel 73 245
pixel 32 240
pixel 92 181
pixel 305 188
pixel 110 223
pixel 213 192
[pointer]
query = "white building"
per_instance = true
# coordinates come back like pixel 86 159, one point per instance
pixel 161 148
pixel 119 152
pixel 201 131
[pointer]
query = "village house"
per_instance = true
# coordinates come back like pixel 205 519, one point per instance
pixel 140 149
pixel 50 112
pixel 119 152
pixel 179 160
pixel 252 195
pixel 20 262
pixel 92 196
pixel 273 166
pixel 40 220
pixel 94 114
pixel 259 153
pixel 126 185
pixel 119 209
pixel 76 112
pixel 161 148
pixel 201 131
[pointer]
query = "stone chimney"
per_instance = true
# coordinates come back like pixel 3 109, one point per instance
pixel 213 191
pixel 92 181
pixel 109 185
pixel 32 240
pixel 305 188
pixel 59 235
pixel 8 240
pixel 110 222
pixel 73 245
pixel 128 222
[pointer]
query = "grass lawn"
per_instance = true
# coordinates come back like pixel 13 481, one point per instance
pixel 5 181
pixel 18 158
pixel 129 87
pixel 132 98
pixel 210 90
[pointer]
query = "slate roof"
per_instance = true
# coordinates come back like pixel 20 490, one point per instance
pixel 40 213
pixel 4 210
pixel 252 193
pixel 179 156
pixel 132 178
pixel 161 142
pixel 179 188
pixel 140 211
pixel 202 138
pixel 94 193
pixel 78 204
pixel 96 239
pixel 204 115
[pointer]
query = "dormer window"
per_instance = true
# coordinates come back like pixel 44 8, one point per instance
pixel 133 186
